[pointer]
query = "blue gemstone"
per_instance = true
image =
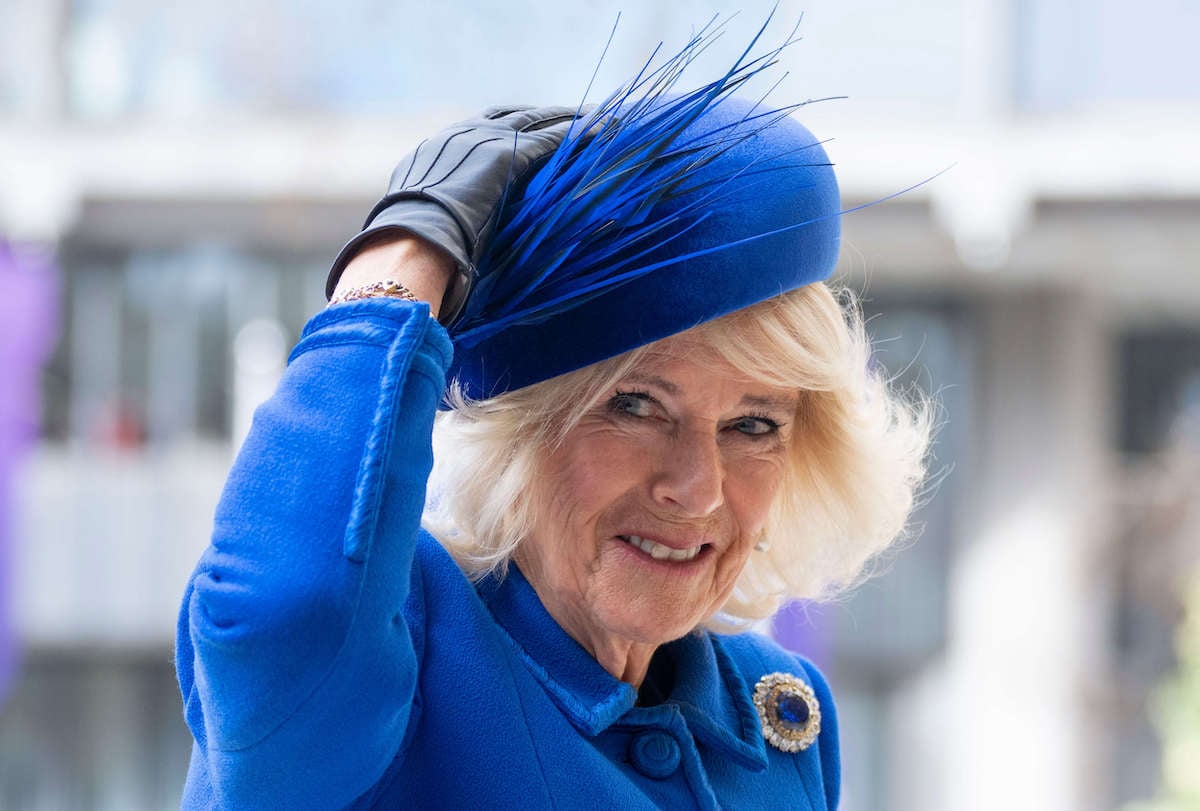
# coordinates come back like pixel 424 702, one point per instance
pixel 793 711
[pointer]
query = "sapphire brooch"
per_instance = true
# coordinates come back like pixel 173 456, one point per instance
pixel 789 711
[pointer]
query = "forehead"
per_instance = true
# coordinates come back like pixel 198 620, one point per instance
pixel 684 364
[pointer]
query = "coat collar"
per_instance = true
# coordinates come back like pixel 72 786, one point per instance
pixel 709 692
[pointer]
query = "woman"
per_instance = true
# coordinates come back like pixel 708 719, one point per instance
pixel 660 423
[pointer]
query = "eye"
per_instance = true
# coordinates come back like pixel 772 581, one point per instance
pixel 634 403
pixel 755 426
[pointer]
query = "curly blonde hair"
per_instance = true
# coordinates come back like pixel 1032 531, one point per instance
pixel 856 464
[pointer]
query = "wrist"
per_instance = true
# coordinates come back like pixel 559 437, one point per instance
pixel 419 266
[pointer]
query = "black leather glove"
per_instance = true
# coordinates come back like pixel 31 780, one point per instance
pixel 449 189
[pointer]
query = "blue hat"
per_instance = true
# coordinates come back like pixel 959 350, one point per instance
pixel 654 216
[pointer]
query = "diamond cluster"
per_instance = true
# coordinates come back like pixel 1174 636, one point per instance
pixel 789 711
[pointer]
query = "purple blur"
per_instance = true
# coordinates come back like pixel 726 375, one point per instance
pixel 28 329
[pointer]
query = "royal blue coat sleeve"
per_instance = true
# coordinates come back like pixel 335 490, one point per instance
pixel 292 648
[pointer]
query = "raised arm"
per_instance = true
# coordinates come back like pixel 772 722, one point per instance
pixel 294 651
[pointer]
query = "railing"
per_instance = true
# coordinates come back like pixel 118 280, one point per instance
pixel 105 541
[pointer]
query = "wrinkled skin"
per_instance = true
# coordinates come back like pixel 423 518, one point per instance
pixel 685 453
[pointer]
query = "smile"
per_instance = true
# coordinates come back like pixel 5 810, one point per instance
pixel 659 551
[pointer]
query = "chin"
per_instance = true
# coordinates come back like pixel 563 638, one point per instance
pixel 644 622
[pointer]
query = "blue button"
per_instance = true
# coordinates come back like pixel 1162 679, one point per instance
pixel 654 754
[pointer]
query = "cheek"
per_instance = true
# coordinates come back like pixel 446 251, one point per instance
pixel 584 478
pixel 752 494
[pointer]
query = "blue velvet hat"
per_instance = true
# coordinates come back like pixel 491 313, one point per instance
pixel 657 213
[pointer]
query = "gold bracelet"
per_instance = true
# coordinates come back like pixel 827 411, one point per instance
pixel 388 288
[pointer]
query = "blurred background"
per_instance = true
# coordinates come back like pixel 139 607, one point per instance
pixel 175 179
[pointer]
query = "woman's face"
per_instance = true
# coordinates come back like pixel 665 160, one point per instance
pixel 657 497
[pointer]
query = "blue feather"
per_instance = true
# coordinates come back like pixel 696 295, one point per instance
pixel 583 224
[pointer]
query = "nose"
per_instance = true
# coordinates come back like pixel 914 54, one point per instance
pixel 690 476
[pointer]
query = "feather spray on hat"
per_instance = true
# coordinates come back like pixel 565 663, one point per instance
pixel 660 210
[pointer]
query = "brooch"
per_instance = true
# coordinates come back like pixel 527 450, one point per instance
pixel 789 711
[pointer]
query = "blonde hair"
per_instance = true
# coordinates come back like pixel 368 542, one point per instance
pixel 857 461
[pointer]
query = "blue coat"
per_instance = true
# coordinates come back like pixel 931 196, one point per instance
pixel 332 655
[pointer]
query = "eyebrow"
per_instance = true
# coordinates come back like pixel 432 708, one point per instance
pixel 653 380
pixel 784 403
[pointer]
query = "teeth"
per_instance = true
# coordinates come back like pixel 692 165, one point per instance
pixel 660 552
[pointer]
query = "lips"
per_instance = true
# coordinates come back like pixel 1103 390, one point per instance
pixel 660 551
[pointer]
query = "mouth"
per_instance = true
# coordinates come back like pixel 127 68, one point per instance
pixel 660 551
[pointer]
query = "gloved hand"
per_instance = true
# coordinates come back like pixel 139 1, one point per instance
pixel 449 190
